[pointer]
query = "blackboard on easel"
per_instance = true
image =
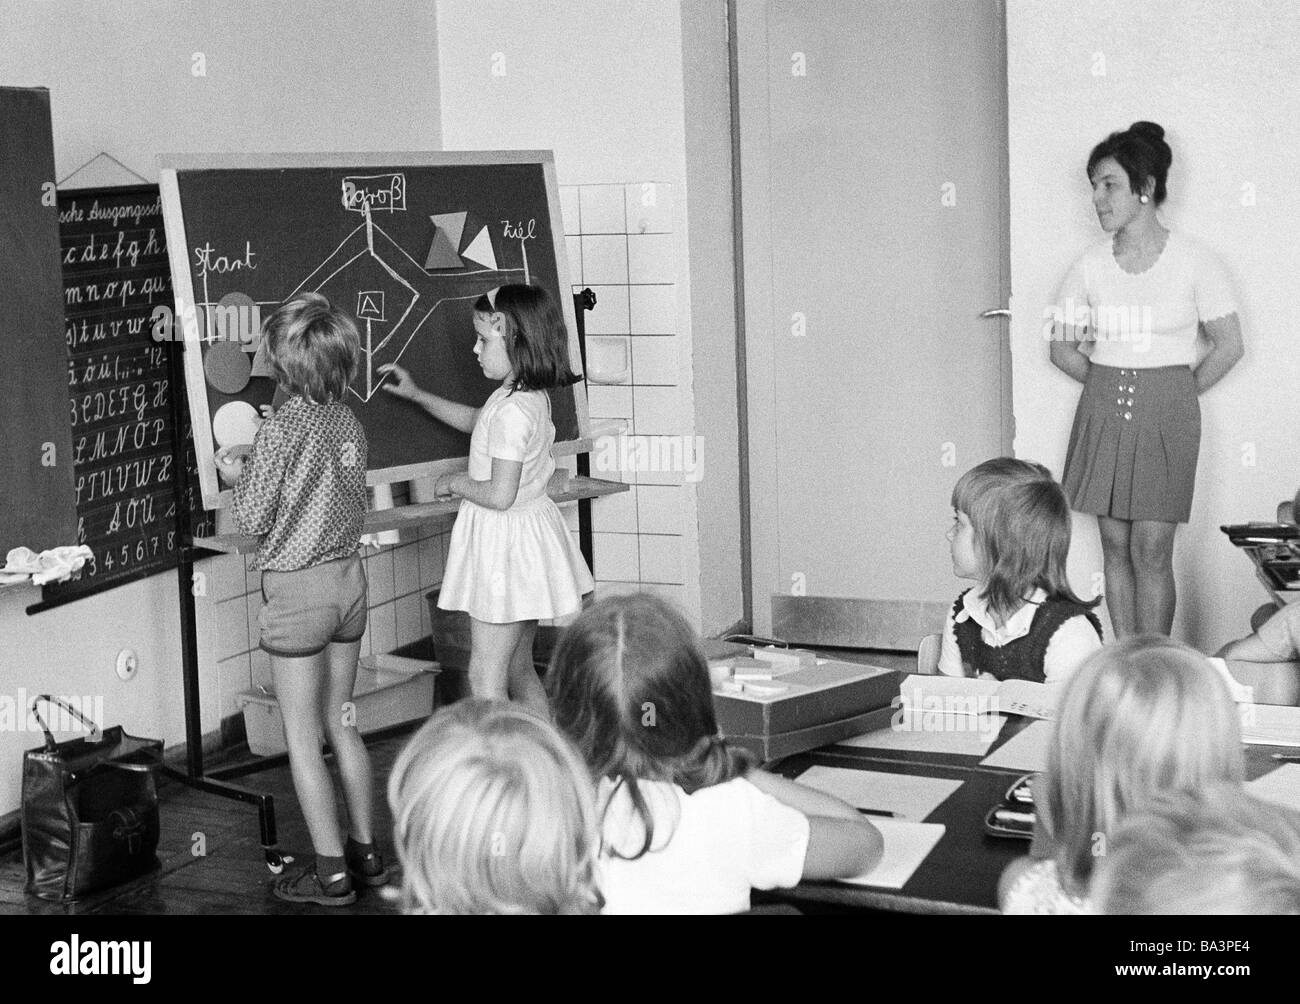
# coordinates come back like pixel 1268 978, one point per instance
pixel 119 386
pixel 404 242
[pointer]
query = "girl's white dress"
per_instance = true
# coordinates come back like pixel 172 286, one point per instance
pixel 519 563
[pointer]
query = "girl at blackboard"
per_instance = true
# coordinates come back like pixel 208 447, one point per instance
pixel 302 488
pixel 1011 534
pixel 511 560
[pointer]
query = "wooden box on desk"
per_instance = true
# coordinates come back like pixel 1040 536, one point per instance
pixel 820 705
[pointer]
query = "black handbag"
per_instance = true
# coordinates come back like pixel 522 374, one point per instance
pixel 89 809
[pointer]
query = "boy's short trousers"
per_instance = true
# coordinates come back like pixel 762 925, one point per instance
pixel 305 610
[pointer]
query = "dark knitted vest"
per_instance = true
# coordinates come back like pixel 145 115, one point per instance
pixel 1021 659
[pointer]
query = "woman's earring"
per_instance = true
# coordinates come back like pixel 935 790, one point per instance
pixel 1144 199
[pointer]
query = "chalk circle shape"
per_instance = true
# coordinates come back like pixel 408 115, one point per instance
pixel 235 424
pixel 227 367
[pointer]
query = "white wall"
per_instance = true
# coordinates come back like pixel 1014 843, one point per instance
pixel 279 76
pixel 1223 81
pixel 601 85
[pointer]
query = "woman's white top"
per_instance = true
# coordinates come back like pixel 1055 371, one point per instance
pixel 1146 320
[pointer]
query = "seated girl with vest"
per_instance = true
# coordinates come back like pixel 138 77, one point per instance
pixel 1011 535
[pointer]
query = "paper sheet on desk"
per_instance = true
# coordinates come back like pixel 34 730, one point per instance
pixel 960 695
pixel 1026 750
pixel 906 846
pixel 963 736
pixel 1281 787
pixel 906 796
pixel 1269 725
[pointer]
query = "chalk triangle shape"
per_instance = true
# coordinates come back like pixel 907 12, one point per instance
pixel 442 253
pixel 453 224
pixel 480 250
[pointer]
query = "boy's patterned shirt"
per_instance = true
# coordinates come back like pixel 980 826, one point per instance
pixel 304 486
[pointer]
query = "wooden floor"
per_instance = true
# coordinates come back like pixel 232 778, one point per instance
pixel 232 878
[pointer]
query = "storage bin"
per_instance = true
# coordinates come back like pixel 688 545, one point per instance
pixel 389 690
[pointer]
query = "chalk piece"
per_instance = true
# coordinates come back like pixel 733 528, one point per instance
pixel 235 424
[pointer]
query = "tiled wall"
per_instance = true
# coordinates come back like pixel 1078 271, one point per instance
pixel 399 576
pixel 621 245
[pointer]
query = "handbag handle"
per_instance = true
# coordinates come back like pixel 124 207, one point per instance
pixel 50 745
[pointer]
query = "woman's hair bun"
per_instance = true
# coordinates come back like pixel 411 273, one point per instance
pixel 1148 129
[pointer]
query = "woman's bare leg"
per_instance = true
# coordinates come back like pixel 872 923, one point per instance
pixel 1118 564
pixel 1155 595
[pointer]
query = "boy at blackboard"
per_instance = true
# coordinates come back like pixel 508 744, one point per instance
pixel 303 489
pixel 511 560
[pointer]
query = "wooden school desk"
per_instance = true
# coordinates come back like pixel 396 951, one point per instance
pixel 960 875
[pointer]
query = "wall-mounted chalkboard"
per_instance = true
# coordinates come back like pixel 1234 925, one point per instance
pixel 404 242
pixel 115 277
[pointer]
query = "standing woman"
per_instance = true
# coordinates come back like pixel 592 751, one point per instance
pixel 1139 297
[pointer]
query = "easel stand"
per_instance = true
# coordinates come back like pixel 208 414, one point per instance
pixel 581 489
pixel 193 776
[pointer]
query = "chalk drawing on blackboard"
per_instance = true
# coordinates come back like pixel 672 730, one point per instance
pixel 367 192
pixel 393 284
pixel 370 305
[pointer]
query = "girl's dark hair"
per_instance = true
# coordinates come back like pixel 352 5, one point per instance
pixel 537 341
pixel 1143 153
pixel 629 685
pixel 1022 531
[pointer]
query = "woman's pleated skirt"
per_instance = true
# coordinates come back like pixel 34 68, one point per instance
pixel 1134 444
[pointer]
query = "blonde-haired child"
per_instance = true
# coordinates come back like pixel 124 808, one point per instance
pixel 1011 534
pixel 302 488
pixel 1141 719
pixel 687 825
pixel 1219 851
pixel 493 813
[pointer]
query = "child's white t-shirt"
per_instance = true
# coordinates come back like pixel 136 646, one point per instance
pixel 515 426
pixel 710 848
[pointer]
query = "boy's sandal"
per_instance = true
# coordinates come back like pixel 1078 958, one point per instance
pixel 305 886
pixel 368 869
